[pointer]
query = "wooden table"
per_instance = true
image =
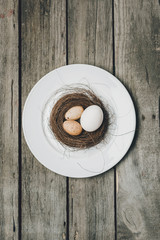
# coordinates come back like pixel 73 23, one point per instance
pixel 121 36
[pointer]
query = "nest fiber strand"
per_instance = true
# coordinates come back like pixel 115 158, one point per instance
pixel 78 97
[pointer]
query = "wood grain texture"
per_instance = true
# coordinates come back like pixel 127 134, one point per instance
pixel 136 60
pixel 43 49
pixel 91 200
pixel 8 119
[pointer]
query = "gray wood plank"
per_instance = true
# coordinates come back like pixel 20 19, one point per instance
pixel 43 49
pixel 8 119
pixel 137 49
pixel 91 201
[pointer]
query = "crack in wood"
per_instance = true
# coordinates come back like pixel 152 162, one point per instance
pixel 14 227
pixel 159 113
pixel 147 76
pixel 67 207
pixel 12 105
pixel 95 34
pixel 72 210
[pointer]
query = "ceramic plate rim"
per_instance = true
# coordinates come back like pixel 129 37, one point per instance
pixel 43 79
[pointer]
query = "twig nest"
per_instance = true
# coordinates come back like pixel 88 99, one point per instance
pixel 91 118
pixel 64 106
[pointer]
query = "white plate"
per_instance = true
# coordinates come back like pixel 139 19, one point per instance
pixel 82 163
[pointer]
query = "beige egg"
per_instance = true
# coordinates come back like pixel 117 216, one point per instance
pixel 72 127
pixel 74 113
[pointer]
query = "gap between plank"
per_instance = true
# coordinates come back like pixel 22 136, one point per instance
pixel 67 207
pixel 66 32
pixel 19 123
pixel 67 179
pixel 115 180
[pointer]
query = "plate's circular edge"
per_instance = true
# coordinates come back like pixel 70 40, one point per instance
pixel 91 174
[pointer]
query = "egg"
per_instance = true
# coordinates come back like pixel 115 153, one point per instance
pixel 91 118
pixel 72 127
pixel 74 113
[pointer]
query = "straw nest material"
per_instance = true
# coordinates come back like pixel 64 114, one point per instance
pixel 77 97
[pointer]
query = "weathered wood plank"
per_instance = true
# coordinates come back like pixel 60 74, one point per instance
pixel 91 201
pixel 43 49
pixel 136 59
pixel 8 119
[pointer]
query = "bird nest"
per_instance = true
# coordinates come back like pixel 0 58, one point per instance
pixel 77 97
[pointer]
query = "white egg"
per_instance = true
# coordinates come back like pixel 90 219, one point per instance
pixel 91 118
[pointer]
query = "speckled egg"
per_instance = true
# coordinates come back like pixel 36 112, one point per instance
pixel 74 113
pixel 72 127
